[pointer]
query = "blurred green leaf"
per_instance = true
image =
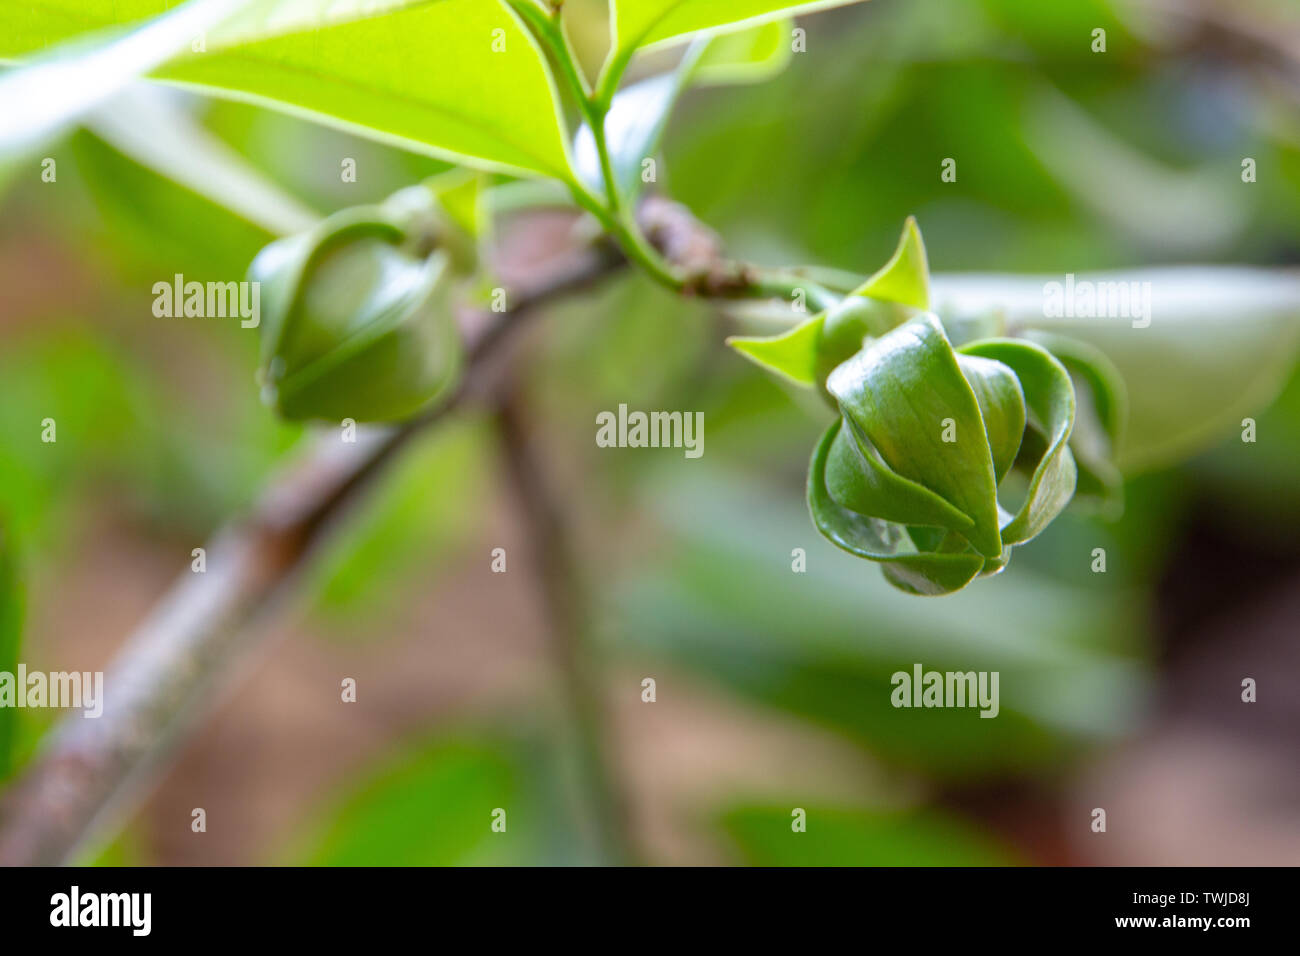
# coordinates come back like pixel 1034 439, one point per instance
pixel 1101 411
pixel 721 598
pixel 636 24
pixel 152 228
pixel 11 626
pixel 1191 375
pixel 434 807
pixel 1215 346
pixel 841 837
pixel 423 511
pixel 99 412
pixel 153 126
pixel 434 804
pixel 43 22
pixel 634 125
pixel 746 56
pixel 122 432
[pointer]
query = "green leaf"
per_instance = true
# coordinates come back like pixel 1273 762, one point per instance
pixel 746 56
pixel 636 24
pixel 720 600
pixel 420 516
pixel 146 123
pixel 460 194
pixel 808 353
pixel 11 621
pixel 906 393
pixel 433 807
pixel 49 93
pixel 459 79
pixel 1049 399
pixel 1219 344
pixel 905 278
pixel 792 355
pixel 845 837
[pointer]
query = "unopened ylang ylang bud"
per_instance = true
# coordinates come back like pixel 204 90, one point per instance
pixel 356 315
pixel 909 475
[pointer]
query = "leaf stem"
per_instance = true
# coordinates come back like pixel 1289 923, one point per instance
pixel 732 281
pixel 550 30
pixel 630 240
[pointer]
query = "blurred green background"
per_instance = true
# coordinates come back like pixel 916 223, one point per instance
pixel 773 687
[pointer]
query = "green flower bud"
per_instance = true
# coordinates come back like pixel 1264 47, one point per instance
pixel 910 473
pixel 356 313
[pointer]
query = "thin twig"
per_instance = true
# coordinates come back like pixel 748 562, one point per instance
pixel 601 803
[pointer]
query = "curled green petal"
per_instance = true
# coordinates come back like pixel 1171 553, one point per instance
pixel 1049 400
pixel 907 394
pixel 883 541
pixel 857 479
pixel 1002 406
pixel 1100 415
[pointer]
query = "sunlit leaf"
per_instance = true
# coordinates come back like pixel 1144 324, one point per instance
pixel 45 95
pixel 641 23
pixel 905 278
pixel 793 354
pixel 459 79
